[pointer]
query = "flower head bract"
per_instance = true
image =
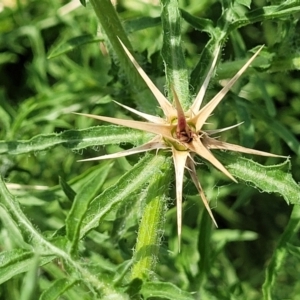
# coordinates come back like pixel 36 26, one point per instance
pixel 182 132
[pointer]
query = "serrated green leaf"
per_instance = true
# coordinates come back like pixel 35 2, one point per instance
pixel 165 290
pixel 75 139
pixel 284 10
pixel 270 179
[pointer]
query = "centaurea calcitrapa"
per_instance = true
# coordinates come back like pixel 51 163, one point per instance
pixel 182 133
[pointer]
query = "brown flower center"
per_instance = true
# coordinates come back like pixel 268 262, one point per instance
pixel 185 135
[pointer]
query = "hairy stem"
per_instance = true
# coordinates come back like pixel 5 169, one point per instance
pixel 152 220
pixel 176 71
pixel 115 32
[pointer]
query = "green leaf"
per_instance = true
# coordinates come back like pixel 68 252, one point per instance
pixel 58 288
pixel 247 130
pixel 269 103
pixel 5 119
pixel 77 182
pixel 73 43
pixel 29 233
pixel 81 204
pixel 233 235
pixel 203 242
pixel 75 139
pixel 141 23
pixel 18 261
pixel 164 290
pixel 11 267
pixel 274 125
pixel 280 253
pixel 270 179
pixel 246 3
pixel 134 287
pixel 130 182
pixel 113 28
pixel 198 23
pixel 83 2
pixel 284 10
pixel 206 58
pixel 294 250
pixel 30 281
pixel 69 192
pixel 283 132
pixel 13 229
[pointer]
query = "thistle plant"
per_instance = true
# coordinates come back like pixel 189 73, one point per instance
pixel 108 228
pixel 182 133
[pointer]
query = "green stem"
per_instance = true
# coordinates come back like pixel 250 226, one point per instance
pixel 111 24
pixel 176 71
pixel 114 31
pixel 150 229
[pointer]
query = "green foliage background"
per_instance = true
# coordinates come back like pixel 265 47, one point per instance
pixel 68 228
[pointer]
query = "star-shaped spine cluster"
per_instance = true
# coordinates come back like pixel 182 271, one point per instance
pixel 182 132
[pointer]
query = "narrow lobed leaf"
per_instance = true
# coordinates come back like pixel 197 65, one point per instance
pixel 75 139
pixel 271 179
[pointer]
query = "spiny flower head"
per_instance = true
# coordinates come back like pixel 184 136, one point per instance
pixel 182 132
